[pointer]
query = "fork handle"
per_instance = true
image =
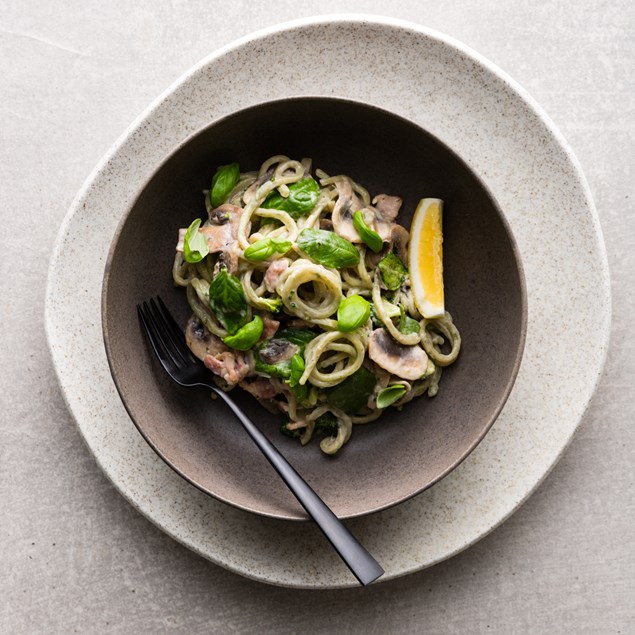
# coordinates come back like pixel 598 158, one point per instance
pixel 359 561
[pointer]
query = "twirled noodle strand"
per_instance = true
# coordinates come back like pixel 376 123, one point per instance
pixel 409 339
pixel 445 326
pixel 327 290
pixel 349 349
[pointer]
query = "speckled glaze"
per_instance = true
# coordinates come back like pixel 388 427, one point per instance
pixel 508 141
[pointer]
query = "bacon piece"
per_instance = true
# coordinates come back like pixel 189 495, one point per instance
pixel 259 388
pixel 269 326
pixel 274 271
pixel 231 366
pixel 388 206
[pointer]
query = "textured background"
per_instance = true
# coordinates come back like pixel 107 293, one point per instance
pixel 76 558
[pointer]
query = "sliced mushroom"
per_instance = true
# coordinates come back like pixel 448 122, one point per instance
pixel 400 238
pixel 221 232
pixel 408 362
pixel 226 260
pixel 250 192
pixel 200 341
pixel 388 206
pixel 377 223
pixel 223 229
pixel 224 213
pixel 230 365
pixel 346 205
pixel 277 351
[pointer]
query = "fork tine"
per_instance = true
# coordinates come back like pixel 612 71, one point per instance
pixel 177 336
pixel 173 333
pixel 162 333
pixel 145 318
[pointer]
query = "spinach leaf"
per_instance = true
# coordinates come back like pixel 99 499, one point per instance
pixel 302 198
pixel 295 433
pixel 327 425
pixel 390 394
pixel 392 271
pixel 194 244
pixel 301 337
pixel 370 237
pixel 406 324
pixel 223 183
pixel 227 301
pixel 328 248
pixel 246 336
pixel 352 394
pixel 279 369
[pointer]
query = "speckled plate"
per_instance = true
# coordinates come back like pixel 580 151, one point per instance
pixel 508 141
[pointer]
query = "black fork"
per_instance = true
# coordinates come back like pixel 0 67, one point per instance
pixel 168 342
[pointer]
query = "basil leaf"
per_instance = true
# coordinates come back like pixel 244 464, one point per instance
pixel 194 244
pixel 370 237
pixel 227 301
pixel 328 248
pixel 390 394
pixel 281 245
pixel 406 324
pixel 246 336
pixel 297 370
pixel 223 183
pixel 352 394
pixel 392 271
pixel 260 250
pixel 352 313
pixel 302 198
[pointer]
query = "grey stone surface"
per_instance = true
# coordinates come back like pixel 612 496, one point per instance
pixel 76 557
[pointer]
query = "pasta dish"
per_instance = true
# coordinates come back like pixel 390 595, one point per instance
pixel 301 295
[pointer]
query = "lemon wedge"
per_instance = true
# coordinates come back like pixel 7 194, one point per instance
pixel 425 257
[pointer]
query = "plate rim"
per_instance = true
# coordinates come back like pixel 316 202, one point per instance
pixel 359 19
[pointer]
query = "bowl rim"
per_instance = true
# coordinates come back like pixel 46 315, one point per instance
pixel 518 355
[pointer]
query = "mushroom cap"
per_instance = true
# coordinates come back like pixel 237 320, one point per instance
pixel 407 362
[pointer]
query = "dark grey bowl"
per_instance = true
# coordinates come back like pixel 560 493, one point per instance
pixel 386 461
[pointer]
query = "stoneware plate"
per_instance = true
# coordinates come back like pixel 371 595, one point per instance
pixel 468 103
pixel 386 461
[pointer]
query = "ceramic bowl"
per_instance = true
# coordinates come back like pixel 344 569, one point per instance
pixel 386 461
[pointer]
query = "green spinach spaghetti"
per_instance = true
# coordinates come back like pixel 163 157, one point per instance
pixel 301 295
